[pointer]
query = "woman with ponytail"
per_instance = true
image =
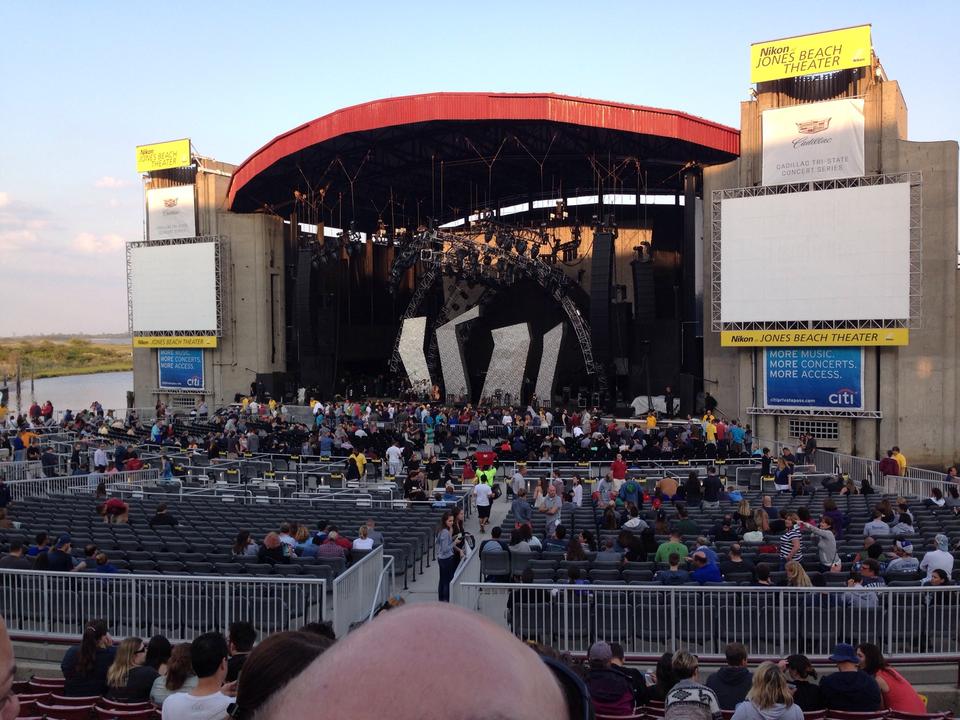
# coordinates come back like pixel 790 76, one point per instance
pixel 85 665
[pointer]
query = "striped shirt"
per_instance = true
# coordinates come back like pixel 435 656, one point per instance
pixel 786 543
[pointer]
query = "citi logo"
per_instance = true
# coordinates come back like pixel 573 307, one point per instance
pixel 843 396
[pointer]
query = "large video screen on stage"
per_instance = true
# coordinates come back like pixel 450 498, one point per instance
pixel 836 254
pixel 173 287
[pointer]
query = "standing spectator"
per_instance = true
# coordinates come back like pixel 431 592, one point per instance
pixel 898 694
pixel 889 465
pixel 849 689
pixel 939 558
pixel 240 639
pixel 731 683
pixel 522 510
pixel 208 656
pixel 901 460
pixel 85 666
pixel 790 540
pixel 712 487
pixel 769 697
pixel 447 554
pixel 551 507
pixel 826 542
pixel 689 699
pixel 484 497
pixel 611 692
pixel 178 677
pixel 806 694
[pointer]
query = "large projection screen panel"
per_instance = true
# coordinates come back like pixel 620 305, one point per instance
pixel 838 254
pixel 173 288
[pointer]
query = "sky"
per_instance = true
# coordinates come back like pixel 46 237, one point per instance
pixel 84 83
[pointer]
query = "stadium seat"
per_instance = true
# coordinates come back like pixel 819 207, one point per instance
pixel 65 712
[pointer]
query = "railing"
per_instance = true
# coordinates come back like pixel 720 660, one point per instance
pixel 385 587
pixel 354 590
pixel 773 622
pixel 14 470
pixel 465 587
pixel 56 605
pixel 21 489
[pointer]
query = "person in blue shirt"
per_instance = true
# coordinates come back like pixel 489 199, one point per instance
pixel 704 570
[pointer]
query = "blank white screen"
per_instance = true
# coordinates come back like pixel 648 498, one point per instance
pixel 839 254
pixel 174 287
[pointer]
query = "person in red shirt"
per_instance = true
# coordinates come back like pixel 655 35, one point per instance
pixel 114 511
pixel 618 468
pixel 889 465
pixel 133 463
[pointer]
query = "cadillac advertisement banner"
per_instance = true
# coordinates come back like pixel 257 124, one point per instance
pixel 817 141
pixel 170 213
pixel 813 378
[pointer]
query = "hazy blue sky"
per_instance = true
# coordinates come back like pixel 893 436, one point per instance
pixel 83 83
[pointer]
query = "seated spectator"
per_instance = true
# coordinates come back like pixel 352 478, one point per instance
pixel 244 545
pixel 177 677
pixel 796 575
pixel 517 542
pixel 731 683
pixel 674 575
pixel 638 682
pixel 128 679
pixel 724 530
pixel 240 639
pixel 871 570
pixel 704 571
pixel 559 541
pixel 769 697
pixel 163 517
pixel 903 561
pixel 897 692
pixel 849 689
pixel 41 544
pixel 60 558
pixel 276 661
pixel 85 666
pixel 663 679
pixel 331 548
pixel 363 541
pixel 689 699
pixel 936 499
pixel 611 691
pixel 673 545
pixel 735 562
pixel 273 551
pixel 763 575
pixel 806 694
pixel 703 545
pixel 15 559
pixel 102 564
pixel 876 527
pixel 208 656
pixel 609 553
pixel 938 558
pixel 575 550
pixel 493 545
pixel 635 523
pixel 375 534
pixel 684 525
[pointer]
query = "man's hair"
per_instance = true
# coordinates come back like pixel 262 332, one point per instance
pixel 616 650
pixel 735 549
pixel 763 571
pixel 736 653
pixel 323 629
pixel 496 532
pixel 804 514
pixel 40 538
pixel 684 665
pixel 16 546
pixel 207 652
pixel 162 508
pixel 682 510
pixel 674 558
pixel 243 635
pixel 560 532
pixel 872 564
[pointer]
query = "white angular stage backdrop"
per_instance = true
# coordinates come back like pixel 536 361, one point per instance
pixel 817 141
pixel 505 372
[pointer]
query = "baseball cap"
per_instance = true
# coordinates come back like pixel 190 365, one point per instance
pixel 600 651
pixel 904 545
pixel 63 540
pixel 942 542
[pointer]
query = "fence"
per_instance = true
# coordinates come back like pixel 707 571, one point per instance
pixel 772 622
pixel 13 470
pixel 354 591
pixel 21 489
pixel 385 587
pixel 56 605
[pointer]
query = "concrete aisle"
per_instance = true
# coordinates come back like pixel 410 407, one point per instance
pixel 425 587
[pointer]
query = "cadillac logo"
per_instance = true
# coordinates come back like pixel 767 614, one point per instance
pixel 172 202
pixel 812 127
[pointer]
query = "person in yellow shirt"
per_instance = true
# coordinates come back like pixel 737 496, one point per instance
pixel 898 456
pixel 244 403
pixel 651 421
pixel 361 462
pixel 711 431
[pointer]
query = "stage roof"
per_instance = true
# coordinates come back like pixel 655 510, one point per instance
pixel 440 155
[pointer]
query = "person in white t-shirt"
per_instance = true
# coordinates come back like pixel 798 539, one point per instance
pixel 939 559
pixel 484 494
pixel 394 459
pixel 210 698
pixel 363 542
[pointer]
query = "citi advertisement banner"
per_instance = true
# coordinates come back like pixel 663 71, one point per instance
pixel 180 369
pixel 813 378
pixel 817 141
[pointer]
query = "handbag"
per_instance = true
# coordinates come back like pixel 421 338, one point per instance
pixel 497 492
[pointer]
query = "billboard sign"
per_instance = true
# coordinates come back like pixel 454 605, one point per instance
pixel 815 338
pixel 170 213
pixel 180 369
pixel 825 378
pixel 174 341
pixel 161 156
pixel 810 54
pixel 815 141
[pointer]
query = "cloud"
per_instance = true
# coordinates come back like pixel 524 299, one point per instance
pixel 4 199
pixel 110 183
pixel 90 244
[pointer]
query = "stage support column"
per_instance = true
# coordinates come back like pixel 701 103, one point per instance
pixel 691 341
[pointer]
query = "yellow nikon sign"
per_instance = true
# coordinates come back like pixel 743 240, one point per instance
pixel 810 54
pixel 813 338
pixel 161 156
pixel 174 341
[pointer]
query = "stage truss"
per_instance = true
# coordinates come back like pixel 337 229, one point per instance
pixel 915 181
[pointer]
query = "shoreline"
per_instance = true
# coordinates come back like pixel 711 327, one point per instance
pixel 68 372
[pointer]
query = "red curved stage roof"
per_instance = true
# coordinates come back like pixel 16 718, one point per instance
pixel 445 107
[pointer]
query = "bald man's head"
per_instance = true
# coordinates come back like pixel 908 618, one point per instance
pixel 422 662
